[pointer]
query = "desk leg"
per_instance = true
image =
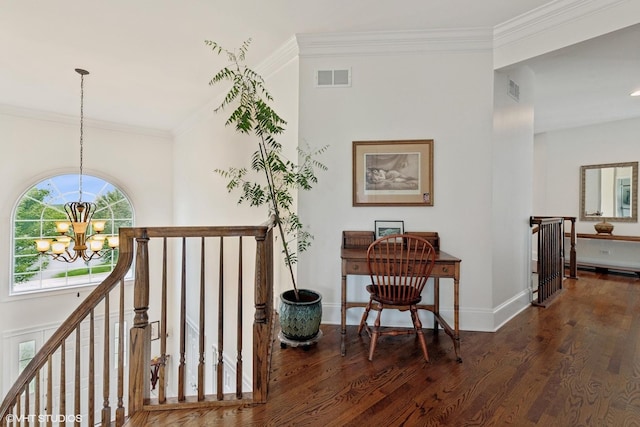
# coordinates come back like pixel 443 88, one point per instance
pixel 343 314
pixel 456 316
pixel 436 303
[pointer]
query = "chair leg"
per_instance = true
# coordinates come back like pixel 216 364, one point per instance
pixel 365 315
pixel 375 334
pixel 418 327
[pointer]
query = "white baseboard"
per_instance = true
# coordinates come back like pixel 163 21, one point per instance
pixel 471 319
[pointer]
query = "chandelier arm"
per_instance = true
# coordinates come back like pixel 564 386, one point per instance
pixel 62 257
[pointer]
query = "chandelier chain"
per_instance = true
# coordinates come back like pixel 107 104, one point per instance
pixel 81 132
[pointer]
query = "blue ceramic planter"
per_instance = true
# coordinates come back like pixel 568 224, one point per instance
pixel 300 320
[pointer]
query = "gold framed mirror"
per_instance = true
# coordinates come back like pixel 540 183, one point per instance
pixel 608 192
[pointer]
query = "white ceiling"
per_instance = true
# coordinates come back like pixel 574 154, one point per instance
pixel 588 82
pixel 150 67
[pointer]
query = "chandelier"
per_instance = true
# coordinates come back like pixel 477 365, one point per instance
pixel 74 242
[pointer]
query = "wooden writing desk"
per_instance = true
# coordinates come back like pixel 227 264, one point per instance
pixel 354 261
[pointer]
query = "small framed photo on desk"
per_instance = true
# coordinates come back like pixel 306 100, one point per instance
pixel 386 228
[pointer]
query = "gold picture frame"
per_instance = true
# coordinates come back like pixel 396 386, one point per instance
pixel 393 173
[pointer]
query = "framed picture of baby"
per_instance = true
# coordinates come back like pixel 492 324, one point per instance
pixel 393 173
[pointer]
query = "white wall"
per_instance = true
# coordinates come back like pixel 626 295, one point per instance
pixel 512 192
pixel 35 148
pixel 423 94
pixel 558 157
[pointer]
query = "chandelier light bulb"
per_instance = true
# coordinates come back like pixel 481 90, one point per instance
pixel 43 245
pixel 113 241
pixel 62 227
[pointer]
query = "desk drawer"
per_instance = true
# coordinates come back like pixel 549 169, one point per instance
pixel 439 270
pixel 357 267
pixel 443 270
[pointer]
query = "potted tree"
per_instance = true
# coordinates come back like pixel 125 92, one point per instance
pixel 273 181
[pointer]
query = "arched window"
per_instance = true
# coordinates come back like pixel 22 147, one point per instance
pixel 34 218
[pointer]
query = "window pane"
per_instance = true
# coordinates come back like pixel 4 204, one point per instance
pixel 35 218
pixel 26 352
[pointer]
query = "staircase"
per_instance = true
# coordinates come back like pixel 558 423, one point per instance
pixel 108 362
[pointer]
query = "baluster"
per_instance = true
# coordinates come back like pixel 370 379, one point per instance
pixel 27 405
pixel 239 325
pixel 36 405
pixel 63 379
pixel 546 261
pixel 557 256
pixel 121 338
pixel 550 258
pixel 76 391
pixel 163 326
pixel 49 408
pixel 18 408
pixel 220 372
pixel 202 325
pixel 106 362
pixel 183 322
pixel 91 381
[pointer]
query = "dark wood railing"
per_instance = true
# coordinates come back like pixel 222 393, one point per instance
pixel 551 258
pixel 53 390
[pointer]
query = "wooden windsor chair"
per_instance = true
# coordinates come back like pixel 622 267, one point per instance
pixel 399 267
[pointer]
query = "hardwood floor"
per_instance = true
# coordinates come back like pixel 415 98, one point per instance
pixel 574 363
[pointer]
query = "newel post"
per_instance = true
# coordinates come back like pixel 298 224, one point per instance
pixel 573 262
pixel 262 318
pixel 140 349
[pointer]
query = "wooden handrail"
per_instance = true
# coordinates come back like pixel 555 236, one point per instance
pixel 71 323
pixel 139 349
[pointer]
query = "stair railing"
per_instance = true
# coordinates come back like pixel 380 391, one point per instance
pixel 551 255
pixel 52 390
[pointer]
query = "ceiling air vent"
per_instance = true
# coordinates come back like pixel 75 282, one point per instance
pixel 514 90
pixel 333 78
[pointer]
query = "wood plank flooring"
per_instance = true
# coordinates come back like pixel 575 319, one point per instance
pixel 574 363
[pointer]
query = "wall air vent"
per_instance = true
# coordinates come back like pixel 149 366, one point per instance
pixel 333 78
pixel 514 90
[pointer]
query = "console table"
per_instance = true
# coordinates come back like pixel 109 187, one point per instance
pixel 608 237
pixel 354 261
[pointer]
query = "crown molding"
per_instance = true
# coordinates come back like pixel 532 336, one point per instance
pixel 73 120
pixel 548 16
pixel 369 43
pixel 395 42
pixel 278 59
